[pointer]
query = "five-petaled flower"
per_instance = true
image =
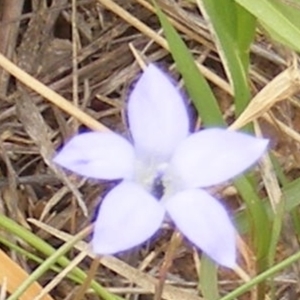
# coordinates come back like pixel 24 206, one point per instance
pixel 163 149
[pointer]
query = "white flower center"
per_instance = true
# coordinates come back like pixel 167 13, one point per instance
pixel 156 176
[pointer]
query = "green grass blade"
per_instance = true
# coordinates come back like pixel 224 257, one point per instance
pixel 233 27
pixel 296 222
pixel 258 218
pixel 210 116
pixel 281 20
pixel 208 281
pixel 291 192
pixel 35 258
pixel 46 265
pixel 196 85
pixel 262 277
pixel 48 250
pixel 246 26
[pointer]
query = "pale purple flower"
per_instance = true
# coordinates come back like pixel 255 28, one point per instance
pixel 162 149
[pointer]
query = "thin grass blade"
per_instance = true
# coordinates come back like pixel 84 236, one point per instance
pixel 233 28
pixel 286 29
pixel 196 85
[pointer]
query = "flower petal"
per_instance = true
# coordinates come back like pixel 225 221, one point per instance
pixel 98 155
pixel 157 115
pixel 205 222
pixel 215 155
pixel 128 217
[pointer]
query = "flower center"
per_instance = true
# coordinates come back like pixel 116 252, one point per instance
pixel 157 177
pixel 158 188
pixel 149 173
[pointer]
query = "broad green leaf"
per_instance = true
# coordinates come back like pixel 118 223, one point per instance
pixel 282 21
pixel 196 85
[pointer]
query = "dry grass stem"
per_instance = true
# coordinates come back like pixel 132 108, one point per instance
pixel 67 66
